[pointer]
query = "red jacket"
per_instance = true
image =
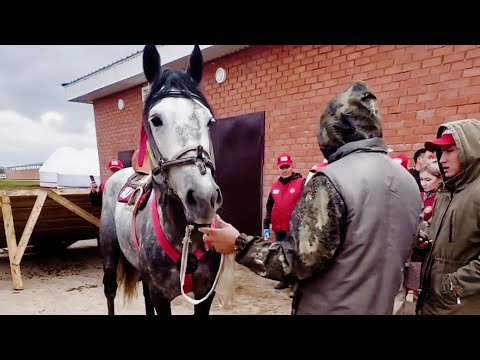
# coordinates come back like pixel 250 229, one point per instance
pixel 285 197
pixel 429 205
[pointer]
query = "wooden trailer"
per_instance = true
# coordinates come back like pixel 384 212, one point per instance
pixel 42 216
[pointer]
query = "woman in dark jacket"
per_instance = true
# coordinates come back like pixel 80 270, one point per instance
pixel 430 179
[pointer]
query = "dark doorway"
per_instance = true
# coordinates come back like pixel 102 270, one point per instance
pixel 126 157
pixel 239 144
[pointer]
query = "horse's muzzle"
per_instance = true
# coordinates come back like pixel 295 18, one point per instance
pixel 203 205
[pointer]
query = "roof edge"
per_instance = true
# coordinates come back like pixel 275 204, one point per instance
pixel 106 67
pixel 128 72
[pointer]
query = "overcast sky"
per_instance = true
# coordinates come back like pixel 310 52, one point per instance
pixel 35 116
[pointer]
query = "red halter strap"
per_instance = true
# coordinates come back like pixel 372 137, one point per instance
pixel 172 253
pixel 168 248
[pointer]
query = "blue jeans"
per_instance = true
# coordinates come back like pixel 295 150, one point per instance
pixel 280 236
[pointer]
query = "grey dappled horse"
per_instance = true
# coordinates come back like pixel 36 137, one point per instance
pixel 176 120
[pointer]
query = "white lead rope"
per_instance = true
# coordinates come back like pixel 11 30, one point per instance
pixel 186 242
pixel 183 268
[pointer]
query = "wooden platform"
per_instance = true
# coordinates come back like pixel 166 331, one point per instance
pixel 41 214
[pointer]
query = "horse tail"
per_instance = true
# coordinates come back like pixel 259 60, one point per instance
pixel 128 278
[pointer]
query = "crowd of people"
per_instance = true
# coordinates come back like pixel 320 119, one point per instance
pixel 363 224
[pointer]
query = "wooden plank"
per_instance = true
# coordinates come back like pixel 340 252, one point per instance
pixel 73 191
pixel 27 232
pixel 51 214
pixel 36 191
pixel 72 207
pixel 11 242
pixel 18 192
pixel 27 201
pixel 51 225
pixel 54 219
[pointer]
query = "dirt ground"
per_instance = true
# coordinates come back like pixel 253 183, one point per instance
pixel 71 284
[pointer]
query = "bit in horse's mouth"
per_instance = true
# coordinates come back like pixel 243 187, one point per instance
pixel 196 235
pixel 197 226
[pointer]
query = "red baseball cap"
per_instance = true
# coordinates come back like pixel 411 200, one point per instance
pixel 401 159
pixel 284 159
pixel 445 139
pixel 115 164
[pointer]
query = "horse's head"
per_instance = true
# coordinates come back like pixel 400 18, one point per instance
pixel 176 120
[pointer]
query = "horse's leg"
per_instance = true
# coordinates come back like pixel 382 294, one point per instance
pixel 203 308
pixel 111 255
pixel 148 301
pixel 110 278
pixel 162 305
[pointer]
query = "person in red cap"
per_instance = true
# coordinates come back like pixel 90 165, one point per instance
pixel 96 192
pixel 282 199
pixel 449 279
pixel 115 165
pixel 401 159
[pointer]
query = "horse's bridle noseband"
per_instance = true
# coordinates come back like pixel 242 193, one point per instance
pixel 202 158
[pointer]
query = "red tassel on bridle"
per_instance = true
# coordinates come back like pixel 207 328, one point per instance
pixel 143 146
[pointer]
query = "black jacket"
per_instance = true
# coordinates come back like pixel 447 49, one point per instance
pixel 96 198
pixel 416 176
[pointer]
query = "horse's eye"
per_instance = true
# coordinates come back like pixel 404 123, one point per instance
pixel 156 121
pixel 212 120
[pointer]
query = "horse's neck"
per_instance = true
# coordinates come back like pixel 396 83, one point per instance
pixel 172 219
pixel 174 223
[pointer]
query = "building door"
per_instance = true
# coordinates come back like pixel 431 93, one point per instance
pixel 239 144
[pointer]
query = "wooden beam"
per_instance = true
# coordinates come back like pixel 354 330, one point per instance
pixel 17 192
pixel 27 232
pixel 73 191
pixel 29 192
pixel 11 242
pixel 73 207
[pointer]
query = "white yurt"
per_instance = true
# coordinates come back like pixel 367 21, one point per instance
pixel 76 173
pixel 70 168
pixel 49 170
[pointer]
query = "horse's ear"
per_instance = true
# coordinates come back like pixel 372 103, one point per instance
pixel 151 63
pixel 195 67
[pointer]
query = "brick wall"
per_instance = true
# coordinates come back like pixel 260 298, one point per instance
pixel 30 174
pixel 418 88
pixel 117 130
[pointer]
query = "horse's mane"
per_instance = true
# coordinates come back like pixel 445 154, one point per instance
pixel 173 80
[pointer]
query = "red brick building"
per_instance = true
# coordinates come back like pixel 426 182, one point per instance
pixel 418 88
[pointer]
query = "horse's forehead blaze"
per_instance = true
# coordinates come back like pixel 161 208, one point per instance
pixel 185 120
